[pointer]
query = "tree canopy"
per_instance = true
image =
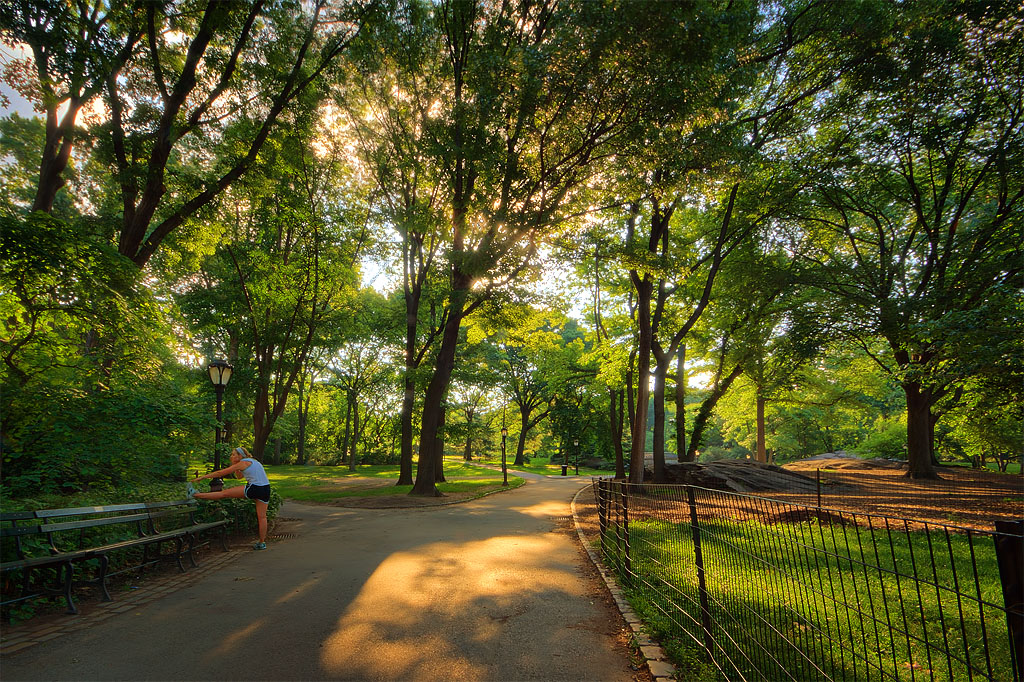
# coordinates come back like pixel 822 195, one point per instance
pixel 616 229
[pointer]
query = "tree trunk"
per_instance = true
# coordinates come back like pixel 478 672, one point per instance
pixel 630 388
pixel 412 311
pixel 277 452
pixel 681 453
pixel 260 424
pixel 524 426
pixel 639 431
pixel 436 389
pixel 659 423
pixel 615 418
pixel 762 455
pixel 56 154
pixel 439 459
pixel 919 430
pixel 408 403
pixel 348 425
pixel 353 460
pixel 467 453
pixel 707 408
pixel 304 399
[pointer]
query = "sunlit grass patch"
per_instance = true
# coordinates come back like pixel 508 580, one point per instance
pixel 848 598
pixel 326 493
pixel 326 483
pixel 545 466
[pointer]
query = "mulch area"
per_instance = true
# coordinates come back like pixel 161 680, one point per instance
pixel 962 498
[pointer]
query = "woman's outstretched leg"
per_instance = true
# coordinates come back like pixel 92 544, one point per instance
pixel 237 491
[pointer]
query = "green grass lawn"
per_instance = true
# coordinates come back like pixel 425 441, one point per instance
pixel 1012 468
pixel 544 466
pixel 327 483
pixel 790 599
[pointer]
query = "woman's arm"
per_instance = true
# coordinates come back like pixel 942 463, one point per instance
pixel 221 473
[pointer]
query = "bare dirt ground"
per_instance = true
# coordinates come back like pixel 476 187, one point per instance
pixel 960 497
pixel 963 498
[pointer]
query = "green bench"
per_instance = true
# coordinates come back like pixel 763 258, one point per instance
pixel 59 539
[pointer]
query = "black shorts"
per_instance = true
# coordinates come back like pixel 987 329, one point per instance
pixel 258 492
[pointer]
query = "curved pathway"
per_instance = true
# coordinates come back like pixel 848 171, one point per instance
pixel 495 589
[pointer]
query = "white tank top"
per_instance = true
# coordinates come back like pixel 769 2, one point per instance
pixel 255 474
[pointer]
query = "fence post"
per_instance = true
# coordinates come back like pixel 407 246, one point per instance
pixel 817 477
pixel 625 532
pixel 702 588
pixel 614 497
pixel 1010 557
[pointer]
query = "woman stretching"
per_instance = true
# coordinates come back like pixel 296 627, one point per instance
pixel 257 487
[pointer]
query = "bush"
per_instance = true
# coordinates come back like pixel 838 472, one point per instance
pixel 888 439
pixel 378 457
pixel 715 453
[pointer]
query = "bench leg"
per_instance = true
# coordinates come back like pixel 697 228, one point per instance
pixel 191 546
pixel 179 544
pixel 26 580
pixel 69 575
pixel 104 565
pixel 145 557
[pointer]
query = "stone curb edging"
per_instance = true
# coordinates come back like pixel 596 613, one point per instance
pixel 21 637
pixel 657 661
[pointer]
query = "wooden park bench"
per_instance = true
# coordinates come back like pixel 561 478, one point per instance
pixel 60 539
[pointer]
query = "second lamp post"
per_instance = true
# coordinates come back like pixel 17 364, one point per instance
pixel 504 469
pixel 220 374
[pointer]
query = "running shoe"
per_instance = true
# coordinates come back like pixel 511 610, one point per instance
pixel 260 545
pixel 191 490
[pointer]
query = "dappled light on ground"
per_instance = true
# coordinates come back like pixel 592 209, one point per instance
pixel 301 589
pixel 544 510
pixel 231 642
pixel 412 604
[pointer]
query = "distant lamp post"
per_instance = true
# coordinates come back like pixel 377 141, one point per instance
pixel 220 374
pixel 504 469
pixel 576 447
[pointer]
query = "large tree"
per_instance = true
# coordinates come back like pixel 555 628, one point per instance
pixel 914 221
pixel 388 106
pixel 282 284
pixel 528 95
pixel 192 91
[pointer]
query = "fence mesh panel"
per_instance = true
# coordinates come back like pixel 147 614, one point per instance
pixel 765 589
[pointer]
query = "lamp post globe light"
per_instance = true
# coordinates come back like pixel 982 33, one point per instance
pixel 220 374
pixel 504 469
pixel 576 448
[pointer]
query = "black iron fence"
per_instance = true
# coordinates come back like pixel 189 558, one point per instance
pixel 758 589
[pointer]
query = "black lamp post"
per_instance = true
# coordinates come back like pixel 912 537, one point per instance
pixel 504 469
pixel 220 374
pixel 576 447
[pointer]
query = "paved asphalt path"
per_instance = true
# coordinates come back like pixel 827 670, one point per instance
pixel 494 589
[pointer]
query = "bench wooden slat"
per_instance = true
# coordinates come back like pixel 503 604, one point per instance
pixel 17 516
pixel 81 511
pixel 92 523
pixel 172 503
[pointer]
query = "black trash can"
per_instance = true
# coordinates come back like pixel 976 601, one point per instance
pixel 565 469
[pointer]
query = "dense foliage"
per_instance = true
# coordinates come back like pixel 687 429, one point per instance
pixel 720 229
